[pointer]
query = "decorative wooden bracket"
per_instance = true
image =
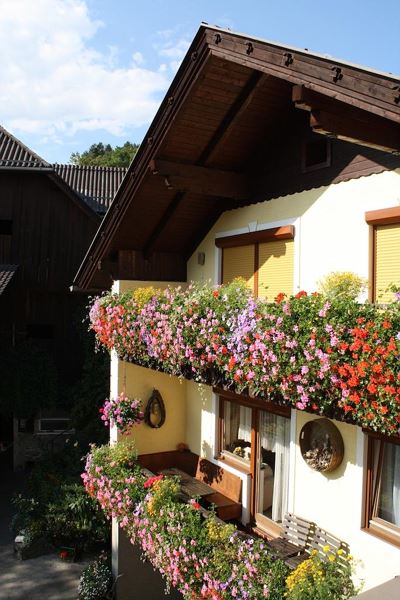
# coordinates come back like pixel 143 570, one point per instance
pixel 337 119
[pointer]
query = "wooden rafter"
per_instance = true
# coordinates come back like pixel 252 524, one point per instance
pixel 163 222
pixel 333 118
pixel 201 180
pixel 238 107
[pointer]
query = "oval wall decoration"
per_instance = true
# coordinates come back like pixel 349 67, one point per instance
pixel 321 445
pixel 154 414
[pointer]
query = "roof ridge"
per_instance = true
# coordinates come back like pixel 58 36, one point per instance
pixel 23 147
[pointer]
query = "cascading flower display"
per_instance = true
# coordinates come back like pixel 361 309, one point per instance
pixel 122 411
pixel 333 357
pixel 195 552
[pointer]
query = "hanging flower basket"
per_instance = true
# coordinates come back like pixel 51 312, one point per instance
pixel 122 411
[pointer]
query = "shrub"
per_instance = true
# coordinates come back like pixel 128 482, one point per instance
pixel 319 579
pixel 96 580
pixel 342 285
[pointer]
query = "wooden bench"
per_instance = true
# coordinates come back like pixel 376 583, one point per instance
pixel 227 486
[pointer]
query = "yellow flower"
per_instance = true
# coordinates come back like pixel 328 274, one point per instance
pixel 349 557
pixel 340 552
pixel 332 557
pixel 326 548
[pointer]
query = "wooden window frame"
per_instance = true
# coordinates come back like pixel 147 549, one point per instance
pixel 256 404
pixel 321 165
pixel 388 532
pixel 374 218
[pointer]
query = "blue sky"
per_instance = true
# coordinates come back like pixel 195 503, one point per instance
pixel 78 72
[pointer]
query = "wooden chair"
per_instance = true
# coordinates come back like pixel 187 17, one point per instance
pixel 293 540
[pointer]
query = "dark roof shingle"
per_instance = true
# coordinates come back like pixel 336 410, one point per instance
pixel 14 153
pixel 97 186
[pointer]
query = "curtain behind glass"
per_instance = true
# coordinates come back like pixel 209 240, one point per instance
pixel 275 437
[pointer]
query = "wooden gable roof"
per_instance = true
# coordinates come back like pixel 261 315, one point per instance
pixel 233 107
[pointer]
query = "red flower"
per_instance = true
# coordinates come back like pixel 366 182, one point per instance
pixel 301 294
pixel 386 324
pixel 280 297
pixel 151 481
pixel 215 293
pixel 231 363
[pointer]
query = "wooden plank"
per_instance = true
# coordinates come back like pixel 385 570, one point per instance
pixel 383 216
pixel 351 79
pixel 382 108
pixel 381 135
pixel 255 79
pixel 201 180
pixel 285 232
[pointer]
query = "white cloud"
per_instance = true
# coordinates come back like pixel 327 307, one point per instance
pixel 167 46
pixel 55 84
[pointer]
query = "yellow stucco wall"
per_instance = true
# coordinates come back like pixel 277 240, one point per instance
pixel 140 383
pixel 331 233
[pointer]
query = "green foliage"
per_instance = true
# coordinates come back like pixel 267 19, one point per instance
pixel 75 517
pixel 329 579
pixel 96 580
pixel 104 155
pixel 28 381
pixel 56 505
pixel 342 285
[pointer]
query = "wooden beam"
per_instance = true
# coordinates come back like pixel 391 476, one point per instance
pixel 385 138
pixel 285 232
pixel 163 222
pixel 160 266
pixel 336 119
pixel 238 107
pixel 201 180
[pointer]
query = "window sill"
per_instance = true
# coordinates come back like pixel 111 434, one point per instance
pixel 383 535
pixel 235 463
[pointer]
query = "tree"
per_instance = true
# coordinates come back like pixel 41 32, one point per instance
pixel 104 155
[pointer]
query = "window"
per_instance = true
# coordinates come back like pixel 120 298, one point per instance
pixel 382 495
pixel 385 247
pixel 265 259
pixel 42 331
pixel 5 227
pixel 316 154
pixel 255 437
pixel 53 425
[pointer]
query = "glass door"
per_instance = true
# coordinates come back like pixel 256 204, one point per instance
pixel 272 468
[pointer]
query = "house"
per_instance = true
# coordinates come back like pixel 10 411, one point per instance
pixel 279 166
pixel 48 216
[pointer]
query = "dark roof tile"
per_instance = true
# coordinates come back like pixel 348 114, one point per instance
pixel 97 186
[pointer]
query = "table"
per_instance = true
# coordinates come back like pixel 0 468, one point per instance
pixel 190 486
